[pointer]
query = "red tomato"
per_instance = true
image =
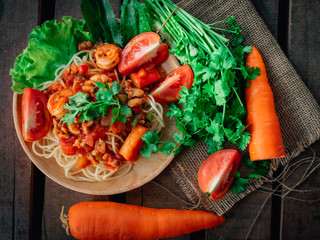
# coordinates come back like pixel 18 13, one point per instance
pixel 112 76
pixel 168 89
pixel 143 49
pixel 217 172
pixel 144 77
pixel 163 53
pixel 117 127
pixel 98 132
pixel 67 146
pixel 69 79
pixel 36 119
pixel 83 69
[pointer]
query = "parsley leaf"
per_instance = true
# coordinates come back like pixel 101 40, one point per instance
pixel 238 183
pixel 253 72
pixel 150 144
pixel 80 106
pixel 258 169
pixel 167 148
pixel 153 145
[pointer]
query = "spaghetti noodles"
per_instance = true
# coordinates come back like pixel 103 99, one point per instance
pixel 96 166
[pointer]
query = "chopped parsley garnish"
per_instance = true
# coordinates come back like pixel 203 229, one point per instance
pixel 80 106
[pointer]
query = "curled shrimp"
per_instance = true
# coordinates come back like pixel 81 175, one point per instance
pixel 107 56
pixel 57 101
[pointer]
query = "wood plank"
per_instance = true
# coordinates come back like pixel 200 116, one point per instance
pixel 268 10
pixel 38 178
pixel 300 219
pixel 18 18
pixel 56 195
pixel 241 217
pixel 303 42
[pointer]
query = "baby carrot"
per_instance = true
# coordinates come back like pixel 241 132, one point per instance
pixel 116 221
pixel 133 143
pixel 266 139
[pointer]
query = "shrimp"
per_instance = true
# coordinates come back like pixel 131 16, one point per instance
pixel 107 56
pixel 57 101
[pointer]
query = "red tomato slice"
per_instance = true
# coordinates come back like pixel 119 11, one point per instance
pixel 217 172
pixel 142 49
pixel 36 119
pixel 168 89
pixel 144 77
pixel 83 69
pixel 67 146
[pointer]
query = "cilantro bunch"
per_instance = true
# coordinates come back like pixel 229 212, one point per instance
pixel 213 109
pixel 80 106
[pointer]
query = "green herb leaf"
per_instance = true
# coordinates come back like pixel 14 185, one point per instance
pixel 129 20
pixel 253 72
pixel 80 106
pixel 238 183
pixel 153 145
pixel 167 148
pixel 150 139
pixel 101 21
pixel 258 170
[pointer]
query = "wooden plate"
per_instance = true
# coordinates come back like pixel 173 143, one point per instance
pixel 143 171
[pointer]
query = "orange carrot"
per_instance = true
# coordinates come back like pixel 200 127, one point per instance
pixel 110 220
pixel 266 139
pixel 133 143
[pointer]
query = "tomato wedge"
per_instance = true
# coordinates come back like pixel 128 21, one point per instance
pixel 216 174
pixel 36 119
pixel 168 89
pixel 144 48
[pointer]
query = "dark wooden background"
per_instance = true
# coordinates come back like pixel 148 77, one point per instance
pixel 30 203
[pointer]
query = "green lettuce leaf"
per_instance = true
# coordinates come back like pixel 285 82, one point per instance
pixel 50 46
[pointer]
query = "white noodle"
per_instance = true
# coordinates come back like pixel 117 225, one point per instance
pixel 49 146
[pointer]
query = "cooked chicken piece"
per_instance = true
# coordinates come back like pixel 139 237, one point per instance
pixel 135 102
pixel 74 129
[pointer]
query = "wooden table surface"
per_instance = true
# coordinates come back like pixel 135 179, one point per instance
pixel 30 203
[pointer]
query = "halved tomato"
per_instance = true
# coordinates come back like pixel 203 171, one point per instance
pixel 217 172
pixel 36 119
pixel 143 49
pixel 168 89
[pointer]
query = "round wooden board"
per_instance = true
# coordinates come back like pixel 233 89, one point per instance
pixel 143 171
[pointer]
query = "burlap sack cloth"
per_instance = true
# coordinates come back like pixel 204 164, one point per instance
pixel 298 111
